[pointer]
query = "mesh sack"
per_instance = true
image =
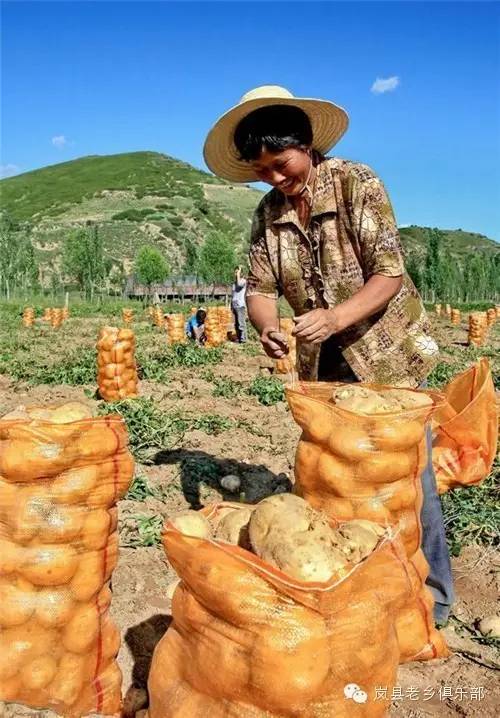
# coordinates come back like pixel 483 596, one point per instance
pixel 369 467
pixel 59 483
pixel 248 640
pixel 466 434
pixel 116 365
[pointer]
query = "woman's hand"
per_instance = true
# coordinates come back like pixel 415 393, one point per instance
pixel 317 326
pixel 274 342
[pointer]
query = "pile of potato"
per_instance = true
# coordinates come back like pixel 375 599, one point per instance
pixel 491 316
pixel 28 317
pixel 176 328
pixel 47 314
pixel 56 317
pixel 214 332
pixel 127 315
pixel 225 320
pixel 62 472
pixel 290 535
pixel 478 328
pixel 447 311
pixel 117 372
pixel 437 309
pixel 157 316
pixel 288 363
pixel 455 316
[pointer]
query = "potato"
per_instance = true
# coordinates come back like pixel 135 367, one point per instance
pixel 10 555
pixel 10 688
pixel 39 672
pixel 62 524
pixel 18 599
pixel 490 626
pixel 96 528
pixel 33 506
pixel 233 528
pixel 289 534
pixel 191 523
pixel 63 414
pixel 82 630
pixel 362 400
pixel 282 511
pixel 49 565
pixel 54 606
pixel 68 682
pixel 409 399
pixel 21 644
pixel 73 486
pixel 89 575
pixel 359 539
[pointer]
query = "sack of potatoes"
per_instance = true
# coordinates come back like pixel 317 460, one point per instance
pixel 288 607
pixel 61 473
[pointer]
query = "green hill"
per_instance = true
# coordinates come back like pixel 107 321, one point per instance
pixel 147 197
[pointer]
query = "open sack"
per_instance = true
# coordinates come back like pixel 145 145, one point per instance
pixel 249 640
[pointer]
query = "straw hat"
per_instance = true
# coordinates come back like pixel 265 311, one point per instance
pixel 328 121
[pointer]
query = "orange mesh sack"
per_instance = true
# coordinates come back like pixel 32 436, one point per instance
pixel 60 478
pixel 28 317
pixel 355 466
pixel 249 640
pixel 176 328
pixel 116 367
pixel 466 434
pixel 214 333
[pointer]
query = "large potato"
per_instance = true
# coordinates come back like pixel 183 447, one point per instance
pixel 288 533
pixel 191 523
pixel 233 528
pixel 359 538
pixel 361 400
pixel 409 399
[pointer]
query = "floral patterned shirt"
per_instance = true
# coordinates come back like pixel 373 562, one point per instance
pixel 352 235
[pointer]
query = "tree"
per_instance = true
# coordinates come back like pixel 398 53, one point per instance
pixel 83 259
pixel 217 260
pixel 150 267
pixel 18 266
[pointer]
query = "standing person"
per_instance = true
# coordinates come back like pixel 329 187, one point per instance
pixel 238 305
pixel 325 237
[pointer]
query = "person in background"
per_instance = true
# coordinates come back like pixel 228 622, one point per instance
pixel 195 327
pixel 326 238
pixel 238 305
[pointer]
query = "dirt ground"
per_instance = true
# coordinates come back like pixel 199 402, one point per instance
pixel 260 449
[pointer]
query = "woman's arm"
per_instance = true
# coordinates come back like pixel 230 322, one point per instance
pixel 319 324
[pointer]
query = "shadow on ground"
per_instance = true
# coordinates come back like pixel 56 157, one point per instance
pixel 142 640
pixel 198 468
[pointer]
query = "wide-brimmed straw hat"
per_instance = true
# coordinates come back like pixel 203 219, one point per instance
pixel 328 122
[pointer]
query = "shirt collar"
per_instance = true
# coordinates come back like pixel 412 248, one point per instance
pixel 324 200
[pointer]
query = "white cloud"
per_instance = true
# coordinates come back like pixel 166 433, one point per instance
pixel 8 170
pixel 59 141
pixel 386 84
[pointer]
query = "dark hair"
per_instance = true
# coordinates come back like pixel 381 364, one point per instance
pixel 275 128
pixel 200 315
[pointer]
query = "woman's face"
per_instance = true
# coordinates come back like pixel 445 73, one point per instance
pixel 287 170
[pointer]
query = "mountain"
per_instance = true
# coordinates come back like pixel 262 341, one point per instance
pixel 147 197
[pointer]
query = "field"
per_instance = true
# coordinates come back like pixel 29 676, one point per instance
pixel 204 414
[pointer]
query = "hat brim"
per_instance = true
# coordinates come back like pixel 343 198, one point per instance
pixel 328 122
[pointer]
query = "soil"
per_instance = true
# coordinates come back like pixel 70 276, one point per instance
pixel 260 449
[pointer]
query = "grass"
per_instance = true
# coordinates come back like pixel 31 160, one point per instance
pixel 148 530
pixel 472 515
pixel 227 388
pixel 268 390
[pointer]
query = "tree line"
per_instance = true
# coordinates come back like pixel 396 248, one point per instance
pixel 441 277
pixel 438 275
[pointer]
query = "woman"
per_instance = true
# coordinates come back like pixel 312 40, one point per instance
pixel 326 239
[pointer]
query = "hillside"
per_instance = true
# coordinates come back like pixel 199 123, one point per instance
pixel 142 197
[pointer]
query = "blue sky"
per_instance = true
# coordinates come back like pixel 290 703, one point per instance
pixel 106 77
